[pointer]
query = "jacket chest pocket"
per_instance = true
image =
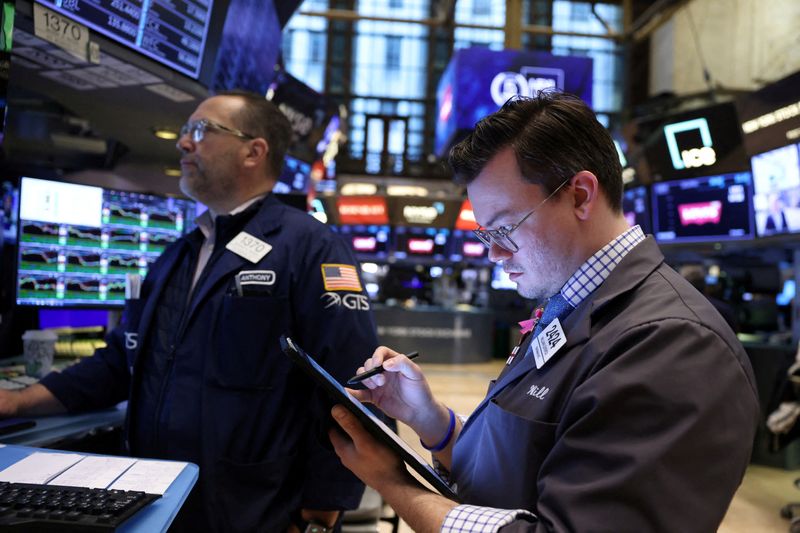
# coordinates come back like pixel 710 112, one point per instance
pixel 246 352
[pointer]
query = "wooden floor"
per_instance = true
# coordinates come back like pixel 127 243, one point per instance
pixel 755 508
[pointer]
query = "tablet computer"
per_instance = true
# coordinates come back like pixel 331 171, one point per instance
pixel 371 423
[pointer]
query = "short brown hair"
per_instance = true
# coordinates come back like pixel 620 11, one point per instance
pixel 554 136
pixel 261 118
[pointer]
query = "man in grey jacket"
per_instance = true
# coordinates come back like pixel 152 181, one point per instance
pixel 628 406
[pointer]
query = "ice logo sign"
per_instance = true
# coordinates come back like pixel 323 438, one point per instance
pixel 529 81
pixel 692 157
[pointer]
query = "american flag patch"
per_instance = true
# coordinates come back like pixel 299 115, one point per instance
pixel 340 278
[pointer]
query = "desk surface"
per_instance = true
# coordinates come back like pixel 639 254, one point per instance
pixel 155 517
pixel 52 429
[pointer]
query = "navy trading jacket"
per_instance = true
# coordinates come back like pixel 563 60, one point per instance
pixel 207 381
pixel 643 421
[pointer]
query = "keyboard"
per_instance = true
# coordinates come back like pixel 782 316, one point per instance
pixel 33 508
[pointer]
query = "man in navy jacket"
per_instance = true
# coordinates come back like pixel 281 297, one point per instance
pixel 197 354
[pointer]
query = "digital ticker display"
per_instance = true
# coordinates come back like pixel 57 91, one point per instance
pixel 170 31
pixel 77 242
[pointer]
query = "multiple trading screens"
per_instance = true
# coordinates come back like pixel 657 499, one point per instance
pixel 78 242
pixel 376 242
pixel 173 33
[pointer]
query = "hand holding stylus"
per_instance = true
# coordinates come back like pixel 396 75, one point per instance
pixel 358 378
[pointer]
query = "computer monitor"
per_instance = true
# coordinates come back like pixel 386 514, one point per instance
pixel 465 246
pixel 776 191
pixel 172 33
pixel 78 242
pixel 636 208
pixel 711 208
pixel 419 242
pixel 368 241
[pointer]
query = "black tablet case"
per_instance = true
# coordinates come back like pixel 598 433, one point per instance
pixel 370 422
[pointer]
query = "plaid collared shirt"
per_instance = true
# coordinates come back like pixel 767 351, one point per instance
pixel 578 287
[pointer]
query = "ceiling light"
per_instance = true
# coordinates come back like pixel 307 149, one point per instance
pixel 172 171
pixel 165 133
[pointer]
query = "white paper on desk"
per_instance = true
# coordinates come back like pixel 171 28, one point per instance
pixel 152 477
pixel 39 467
pixel 94 472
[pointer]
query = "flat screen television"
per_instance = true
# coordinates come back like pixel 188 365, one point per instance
pixel 636 208
pixel 776 191
pixel 421 242
pixel 465 246
pixel 710 208
pixel 371 241
pixel 172 33
pixel 78 242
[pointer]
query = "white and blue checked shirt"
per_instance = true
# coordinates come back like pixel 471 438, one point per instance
pixel 581 284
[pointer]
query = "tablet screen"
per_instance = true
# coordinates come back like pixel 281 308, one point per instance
pixel 370 422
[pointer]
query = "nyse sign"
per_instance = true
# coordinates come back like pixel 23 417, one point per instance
pixel 691 157
pixel 529 81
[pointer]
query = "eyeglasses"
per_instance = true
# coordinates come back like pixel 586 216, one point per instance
pixel 197 129
pixel 502 235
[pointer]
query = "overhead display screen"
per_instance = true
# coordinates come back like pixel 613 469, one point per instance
pixel 703 209
pixel 776 200
pixel 421 242
pixel 77 242
pixel 370 241
pixel 172 32
pixel 697 143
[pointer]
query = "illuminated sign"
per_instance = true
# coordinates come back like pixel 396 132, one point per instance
pixel 477 81
pixel 359 189
pixel 466 218
pixel 772 118
pixel 474 249
pixel 700 213
pixel 693 157
pixel 365 244
pixel 420 246
pixel 529 81
pixel 362 210
pixel 422 214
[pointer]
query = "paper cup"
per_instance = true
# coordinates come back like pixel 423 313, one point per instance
pixel 38 348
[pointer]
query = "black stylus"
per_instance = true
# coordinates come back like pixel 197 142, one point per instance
pixel 355 380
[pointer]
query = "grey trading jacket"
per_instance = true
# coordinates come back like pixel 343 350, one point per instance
pixel 642 422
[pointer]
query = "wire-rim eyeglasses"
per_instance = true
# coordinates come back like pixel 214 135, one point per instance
pixel 197 129
pixel 502 235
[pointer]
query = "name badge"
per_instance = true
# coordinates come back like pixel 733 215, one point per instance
pixel 548 342
pixel 246 246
